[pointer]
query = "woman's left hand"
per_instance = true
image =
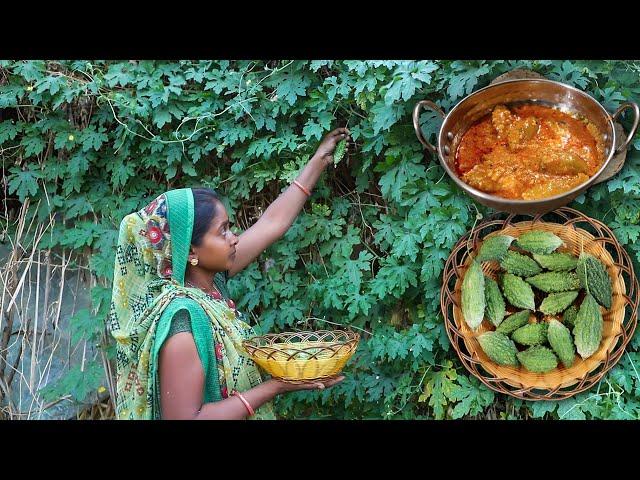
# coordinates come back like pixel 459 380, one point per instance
pixel 328 144
pixel 286 387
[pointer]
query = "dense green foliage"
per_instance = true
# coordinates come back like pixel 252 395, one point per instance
pixel 95 140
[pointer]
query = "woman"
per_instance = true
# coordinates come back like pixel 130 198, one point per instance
pixel 178 333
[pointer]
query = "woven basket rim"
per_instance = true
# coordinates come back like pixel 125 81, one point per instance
pixel 292 361
pixel 350 336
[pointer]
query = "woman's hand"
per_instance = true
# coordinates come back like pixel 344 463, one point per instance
pixel 328 144
pixel 277 219
pixel 285 387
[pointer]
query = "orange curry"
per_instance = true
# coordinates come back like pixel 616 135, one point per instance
pixel 529 152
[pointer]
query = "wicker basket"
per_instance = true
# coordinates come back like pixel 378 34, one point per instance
pixel 298 357
pixel 578 232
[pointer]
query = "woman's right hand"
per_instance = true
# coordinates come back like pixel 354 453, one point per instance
pixel 286 387
pixel 328 145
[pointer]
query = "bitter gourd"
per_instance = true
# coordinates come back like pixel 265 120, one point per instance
pixel 495 307
pixel 594 278
pixel 473 301
pixel 494 247
pixel 513 322
pixel 341 149
pixel 499 348
pixel 588 328
pixel 561 342
pixel 518 264
pixel 538 241
pixel 531 334
pixel 518 292
pixel 558 302
pixel 538 359
pixel 553 282
pixel 556 261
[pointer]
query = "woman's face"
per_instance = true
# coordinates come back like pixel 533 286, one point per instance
pixel 216 252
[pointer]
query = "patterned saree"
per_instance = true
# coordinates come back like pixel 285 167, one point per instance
pixel 148 290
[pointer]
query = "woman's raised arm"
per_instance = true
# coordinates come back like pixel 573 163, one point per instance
pixel 279 216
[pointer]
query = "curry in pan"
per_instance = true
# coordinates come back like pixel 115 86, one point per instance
pixel 529 152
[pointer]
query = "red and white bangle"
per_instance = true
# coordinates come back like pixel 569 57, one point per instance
pixel 244 400
pixel 302 187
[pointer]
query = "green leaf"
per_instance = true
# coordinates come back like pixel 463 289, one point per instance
pixel 397 178
pixel 78 163
pixel 121 172
pixel 9 130
pixel 85 326
pixel 82 235
pixel 407 79
pixel 161 116
pixel 384 116
pixel 393 279
pixel 33 145
pixel 567 72
pixel 312 129
pixel 464 82
pixel 317 64
pixel 570 410
pixel 292 86
pixel 64 139
pixel 407 246
pixel 290 311
pixel 76 382
pixel 378 386
pixel 92 138
pixel 52 84
pixel 439 389
pixel 10 95
pixel 30 70
pixel 23 182
pixel 261 147
pixel 540 409
pixel 473 397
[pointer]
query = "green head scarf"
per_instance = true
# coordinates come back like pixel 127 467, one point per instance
pixel 148 290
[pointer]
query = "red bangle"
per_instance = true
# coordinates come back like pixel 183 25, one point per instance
pixel 303 188
pixel 246 404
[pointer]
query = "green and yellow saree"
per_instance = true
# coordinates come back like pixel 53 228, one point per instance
pixel 148 291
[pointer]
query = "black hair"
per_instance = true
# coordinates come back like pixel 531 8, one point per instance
pixel 205 203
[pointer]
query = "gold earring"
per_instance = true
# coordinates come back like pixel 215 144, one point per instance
pixel 193 261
